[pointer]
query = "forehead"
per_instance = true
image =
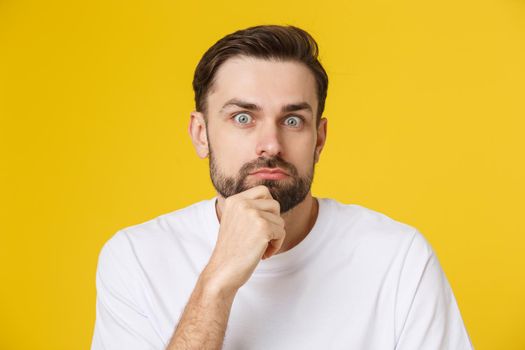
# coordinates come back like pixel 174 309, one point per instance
pixel 269 83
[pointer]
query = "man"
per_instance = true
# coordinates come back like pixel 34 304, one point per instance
pixel 264 265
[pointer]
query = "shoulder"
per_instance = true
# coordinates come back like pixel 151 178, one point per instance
pixel 364 222
pixel 374 231
pixel 188 223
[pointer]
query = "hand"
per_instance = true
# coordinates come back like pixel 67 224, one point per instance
pixel 251 228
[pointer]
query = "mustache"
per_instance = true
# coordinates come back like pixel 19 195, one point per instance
pixel 273 162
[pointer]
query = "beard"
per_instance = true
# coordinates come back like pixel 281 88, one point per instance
pixel 289 192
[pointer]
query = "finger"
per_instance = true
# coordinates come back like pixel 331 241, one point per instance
pixel 268 205
pixel 257 192
pixel 273 218
pixel 275 232
pixel 273 247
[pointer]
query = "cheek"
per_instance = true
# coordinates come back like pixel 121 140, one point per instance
pixel 300 146
pixel 230 156
pixel 301 154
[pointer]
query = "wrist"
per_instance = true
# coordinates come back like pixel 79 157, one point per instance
pixel 213 287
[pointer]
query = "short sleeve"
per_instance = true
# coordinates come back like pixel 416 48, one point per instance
pixel 427 314
pixel 120 322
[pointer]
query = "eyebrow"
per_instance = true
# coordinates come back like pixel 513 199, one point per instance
pixel 292 107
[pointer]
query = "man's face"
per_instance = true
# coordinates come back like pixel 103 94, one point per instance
pixel 262 115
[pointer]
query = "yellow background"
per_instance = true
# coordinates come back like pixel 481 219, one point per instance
pixel 426 124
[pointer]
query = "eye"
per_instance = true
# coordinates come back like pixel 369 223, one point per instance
pixel 242 118
pixel 293 121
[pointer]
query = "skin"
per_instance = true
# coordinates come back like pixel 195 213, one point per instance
pixel 251 224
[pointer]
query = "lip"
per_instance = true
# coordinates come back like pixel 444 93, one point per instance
pixel 270 171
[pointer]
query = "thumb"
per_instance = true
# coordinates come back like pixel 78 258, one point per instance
pixel 273 247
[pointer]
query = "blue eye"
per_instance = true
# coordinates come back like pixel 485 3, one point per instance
pixel 242 118
pixel 293 121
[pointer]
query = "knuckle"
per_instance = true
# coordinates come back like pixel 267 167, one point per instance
pixel 242 205
pixel 251 213
pixel 264 189
pixel 260 223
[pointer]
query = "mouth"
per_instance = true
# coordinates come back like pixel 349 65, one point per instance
pixel 270 173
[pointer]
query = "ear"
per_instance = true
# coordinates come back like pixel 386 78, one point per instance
pixel 197 131
pixel 321 138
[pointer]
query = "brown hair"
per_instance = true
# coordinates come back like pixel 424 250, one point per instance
pixel 266 42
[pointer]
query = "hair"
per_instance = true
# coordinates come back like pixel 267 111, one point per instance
pixel 270 42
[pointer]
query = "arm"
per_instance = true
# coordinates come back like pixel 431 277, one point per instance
pixel 251 229
pixel 203 322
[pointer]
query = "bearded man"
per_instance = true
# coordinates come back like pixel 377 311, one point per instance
pixel 264 264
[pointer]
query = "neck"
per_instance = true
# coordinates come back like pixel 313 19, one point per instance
pixel 297 221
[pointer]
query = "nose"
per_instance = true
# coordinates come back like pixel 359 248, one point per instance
pixel 268 141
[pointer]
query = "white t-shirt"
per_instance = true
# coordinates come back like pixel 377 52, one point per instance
pixel 359 280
